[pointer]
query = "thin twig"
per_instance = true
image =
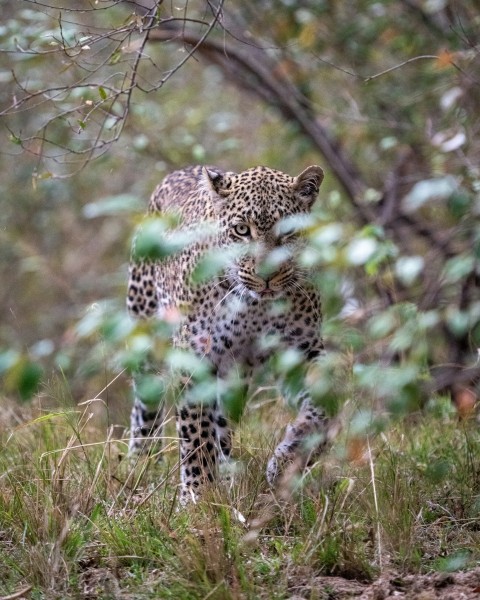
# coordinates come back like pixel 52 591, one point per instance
pixel 18 594
pixel 375 501
pixel 400 65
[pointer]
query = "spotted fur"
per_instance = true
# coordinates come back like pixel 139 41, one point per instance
pixel 228 318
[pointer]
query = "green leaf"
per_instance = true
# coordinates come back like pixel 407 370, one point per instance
pixel 326 235
pixel 360 250
pixel 362 422
pixel 439 470
pixel 425 191
pixel 8 358
pixel 454 562
pixel 154 243
pixel 458 267
pixel 112 205
pixel 150 389
pixel 28 380
pixel 210 265
pixel 459 204
pixel 157 240
pixel 458 321
pixel 116 327
pixel 187 362
pixel 234 397
pixel 115 57
pixel 408 268
pixel 382 324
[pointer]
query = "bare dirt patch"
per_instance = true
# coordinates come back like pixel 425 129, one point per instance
pixel 444 586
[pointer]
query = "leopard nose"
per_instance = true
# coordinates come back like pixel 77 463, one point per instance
pixel 272 263
pixel 267 273
pixel 266 269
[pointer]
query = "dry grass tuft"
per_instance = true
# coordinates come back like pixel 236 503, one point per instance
pixel 78 522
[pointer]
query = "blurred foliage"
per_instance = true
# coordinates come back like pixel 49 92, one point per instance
pixel 96 106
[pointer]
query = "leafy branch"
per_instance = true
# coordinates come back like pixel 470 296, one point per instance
pixel 106 68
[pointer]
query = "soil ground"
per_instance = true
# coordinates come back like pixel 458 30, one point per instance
pixel 445 586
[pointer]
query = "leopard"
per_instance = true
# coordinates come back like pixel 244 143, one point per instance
pixel 260 302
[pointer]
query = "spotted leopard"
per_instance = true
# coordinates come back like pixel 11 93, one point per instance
pixel 231 319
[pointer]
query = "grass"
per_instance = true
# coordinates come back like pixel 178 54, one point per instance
pixel 78 522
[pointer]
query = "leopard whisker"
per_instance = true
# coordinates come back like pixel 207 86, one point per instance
pixel 225 296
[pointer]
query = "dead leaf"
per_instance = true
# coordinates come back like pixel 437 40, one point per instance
pixel 465 400
pixel 444 59
pixel 357 450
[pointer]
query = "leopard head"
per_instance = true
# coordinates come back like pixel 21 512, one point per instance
pixel 258 212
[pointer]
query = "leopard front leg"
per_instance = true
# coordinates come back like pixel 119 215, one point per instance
pixel 223 435
pixel 204 438
pixel 304 439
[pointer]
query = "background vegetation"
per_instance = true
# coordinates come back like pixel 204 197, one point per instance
pixel 98 103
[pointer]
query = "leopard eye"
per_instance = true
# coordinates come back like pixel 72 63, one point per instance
pixel 241 229
pixel 288 236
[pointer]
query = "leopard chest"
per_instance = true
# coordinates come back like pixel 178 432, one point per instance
pixel 246 331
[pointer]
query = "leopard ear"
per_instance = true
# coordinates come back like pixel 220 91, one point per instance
pixel 307 184
pixel 216 181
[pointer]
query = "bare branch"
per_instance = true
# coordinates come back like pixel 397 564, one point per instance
pixel 94 53
pixel 255 71
pixel 94 7
pixel 400 65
